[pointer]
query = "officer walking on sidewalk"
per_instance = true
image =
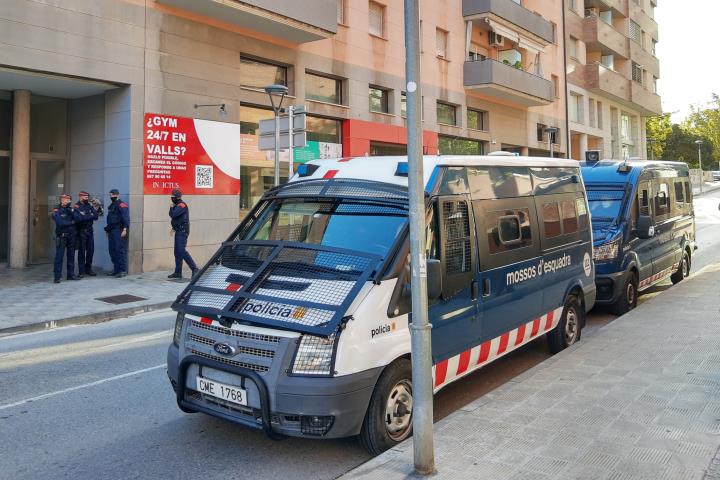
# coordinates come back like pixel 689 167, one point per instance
pixel 65 237
pixel 118 223
pixel 180 223
pixel 87 214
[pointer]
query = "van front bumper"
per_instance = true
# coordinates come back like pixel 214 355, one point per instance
pixel 609 287
pixel 312 407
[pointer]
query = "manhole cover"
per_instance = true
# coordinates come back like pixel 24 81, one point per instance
pixel 118 299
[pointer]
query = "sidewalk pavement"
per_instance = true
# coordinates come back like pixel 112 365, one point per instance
pixel 640 399
pixel 707 188
pixel 29 300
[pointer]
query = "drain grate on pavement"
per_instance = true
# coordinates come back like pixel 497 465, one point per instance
pixel 120 299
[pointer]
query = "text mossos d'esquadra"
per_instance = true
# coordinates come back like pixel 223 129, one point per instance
pixel 543 267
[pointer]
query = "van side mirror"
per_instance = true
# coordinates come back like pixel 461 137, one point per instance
pixel 434 278
pixel 645 228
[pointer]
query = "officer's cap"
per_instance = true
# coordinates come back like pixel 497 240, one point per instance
pixel 115 191
pixel 176 193
pixel 83 193
pixel 65 195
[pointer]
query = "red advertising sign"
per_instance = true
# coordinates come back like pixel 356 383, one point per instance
pixel 200 157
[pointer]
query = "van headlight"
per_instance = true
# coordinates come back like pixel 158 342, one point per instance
pixel 178 328
pixel 606 252
pixel 314 355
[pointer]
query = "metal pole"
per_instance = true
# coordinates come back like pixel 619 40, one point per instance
pixel 290 147
pixel 277 147
pixel 420 326
pixel 551 146
pixel 702 177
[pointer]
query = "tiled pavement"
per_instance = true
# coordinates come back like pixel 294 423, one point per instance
pixel 29 300
pixel 638 400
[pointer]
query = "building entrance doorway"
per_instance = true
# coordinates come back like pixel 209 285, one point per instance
pixel 47 183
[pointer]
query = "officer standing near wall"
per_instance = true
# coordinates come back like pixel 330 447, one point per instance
pixel 87 214
pixel 180 223
pixel 118 225
pixel 65 237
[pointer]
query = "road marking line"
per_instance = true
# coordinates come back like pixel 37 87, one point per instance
pixel 80 387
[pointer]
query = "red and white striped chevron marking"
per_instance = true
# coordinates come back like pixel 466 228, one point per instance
pixel 658 276
pixel 470 360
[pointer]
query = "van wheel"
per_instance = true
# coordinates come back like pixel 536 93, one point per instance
pixel 683 270
pixel 388 420
pixel 568 330
pixel 629 296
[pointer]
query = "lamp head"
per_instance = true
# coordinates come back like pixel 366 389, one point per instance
pixel 699 142
pixel 276 90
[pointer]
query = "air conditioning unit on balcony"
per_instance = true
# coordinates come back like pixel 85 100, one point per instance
pixel 592 12
pixel 497 40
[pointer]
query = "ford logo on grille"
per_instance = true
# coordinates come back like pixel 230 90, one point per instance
pixel 224 349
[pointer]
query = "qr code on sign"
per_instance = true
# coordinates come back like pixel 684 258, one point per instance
pixel 203 176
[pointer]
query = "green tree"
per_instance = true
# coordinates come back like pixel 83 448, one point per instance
pixel 704 124
pixel 680 146
pixel 658 129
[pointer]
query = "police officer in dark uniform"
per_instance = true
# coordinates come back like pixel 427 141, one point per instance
pixel 118 224
pixel 180 223
pixel 86 214
pixel 65 237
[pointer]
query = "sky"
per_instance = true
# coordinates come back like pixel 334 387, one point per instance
pixel 688 52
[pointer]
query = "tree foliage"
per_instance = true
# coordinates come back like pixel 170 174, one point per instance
pixel 704 123
pixel 658 129
pixel 680 146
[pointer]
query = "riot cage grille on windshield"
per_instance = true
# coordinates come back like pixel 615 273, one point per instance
pixel 295 286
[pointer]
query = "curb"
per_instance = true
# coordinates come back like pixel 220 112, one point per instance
pixel 88 319
pixel 707 190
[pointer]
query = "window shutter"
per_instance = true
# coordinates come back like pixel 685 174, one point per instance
pixel 377 12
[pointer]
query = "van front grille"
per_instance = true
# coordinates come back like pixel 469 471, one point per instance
pixel 257 352
pixel 227 361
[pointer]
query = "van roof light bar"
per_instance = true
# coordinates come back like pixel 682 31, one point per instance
pixel 402 169
pixel 307 169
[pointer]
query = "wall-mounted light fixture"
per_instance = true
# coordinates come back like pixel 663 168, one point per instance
pixel 223 110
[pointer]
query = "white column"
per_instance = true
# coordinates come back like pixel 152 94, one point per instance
pixel 20 180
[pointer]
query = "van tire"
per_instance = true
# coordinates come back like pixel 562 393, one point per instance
pixel 628 297
pixel 375 434
pixel 563 335
pixel 683 270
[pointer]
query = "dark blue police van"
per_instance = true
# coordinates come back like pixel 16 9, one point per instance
pixel 643 226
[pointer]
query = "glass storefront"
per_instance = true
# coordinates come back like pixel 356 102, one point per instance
pixel 257 168
pixel 459 146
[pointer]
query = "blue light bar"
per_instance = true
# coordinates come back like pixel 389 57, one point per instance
pixel 402 169
pixel 307 169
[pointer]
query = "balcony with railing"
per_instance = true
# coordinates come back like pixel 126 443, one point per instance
pixel 642 57
pixel 506 82
pixel 603 80
pixel 647 101
pixel 511 14
pixel 298 21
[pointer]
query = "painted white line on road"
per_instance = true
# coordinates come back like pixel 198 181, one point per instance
pixel 80 387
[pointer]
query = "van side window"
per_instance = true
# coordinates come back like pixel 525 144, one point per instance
pixel 508 230
pixel 457 237
pixel 569 217
pixel 679 196
pixel 688 192
pixel 551 218
pixel 662 200
pixel 644 197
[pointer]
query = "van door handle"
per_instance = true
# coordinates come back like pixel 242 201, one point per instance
pixel 474 290
pixel 486 287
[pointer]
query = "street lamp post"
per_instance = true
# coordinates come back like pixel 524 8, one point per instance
pixel 702 177
pixel 551 131
pixel 273 91
pixel 650 142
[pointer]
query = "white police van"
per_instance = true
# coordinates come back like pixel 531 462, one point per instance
pixel 299 323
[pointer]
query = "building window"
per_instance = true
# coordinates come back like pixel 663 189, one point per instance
pixel 341 12
pixel 573 47
pixel 323 89
pixel 556 85
pixel 441 43
pixel 635 32
pixel 541 135
pixel 625 131
pixel 576 112
pixel 446 113
pixel 591 113
pixel 377 19
pixel 477 119
pixel 403 104
pixel 654 46
pixel 637 73
pixel 554 32
pixel 573 5
pixel 260 74
pixel 654 84
pixel 608 61
pixel 379 100
pixel 459 146
pixel 599 115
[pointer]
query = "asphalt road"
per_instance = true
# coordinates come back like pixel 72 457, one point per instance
pixel 94 402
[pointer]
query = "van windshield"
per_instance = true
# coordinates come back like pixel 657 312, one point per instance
pixel 605 205
pixel 361 226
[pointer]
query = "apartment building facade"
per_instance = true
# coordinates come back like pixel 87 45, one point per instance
pixel 86 85
pixel 612 75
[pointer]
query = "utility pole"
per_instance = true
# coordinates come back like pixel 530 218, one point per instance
pixel 290 142
pixel 702 177
pixel 422 414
